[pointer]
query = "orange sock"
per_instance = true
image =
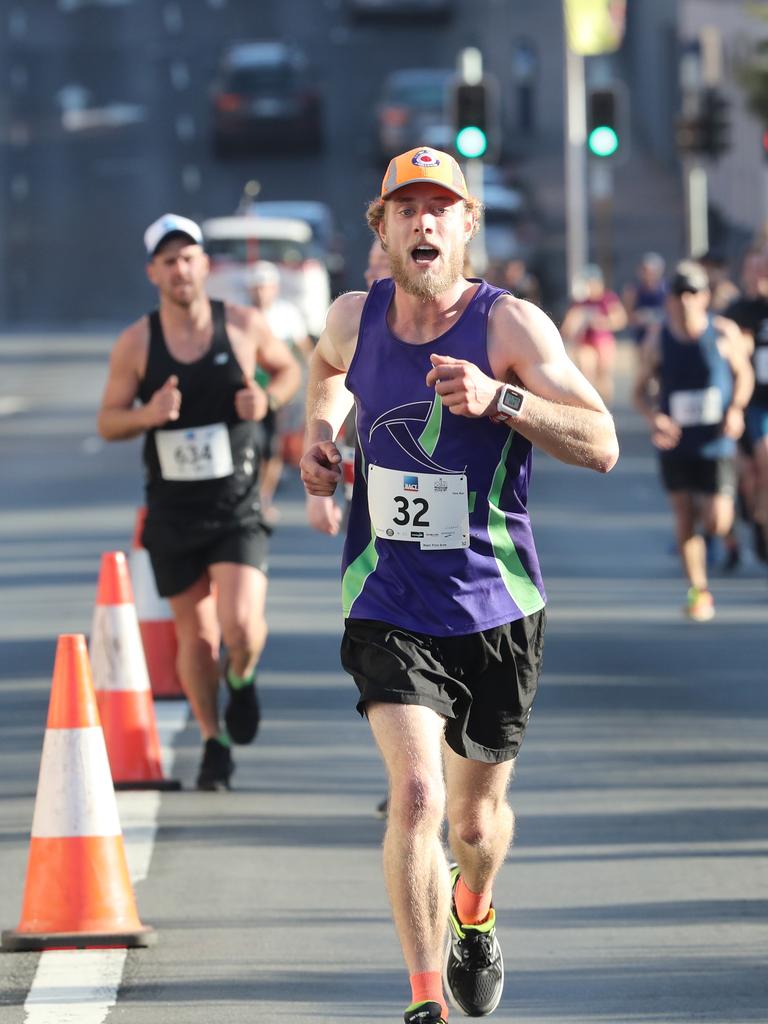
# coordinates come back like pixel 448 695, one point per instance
pixel 429 986
pixel 472 907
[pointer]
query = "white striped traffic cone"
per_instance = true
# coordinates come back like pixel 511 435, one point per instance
pixel 78 891
pixel 122 684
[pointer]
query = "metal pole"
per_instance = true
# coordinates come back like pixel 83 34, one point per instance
pixel 575 166
pixel 698 210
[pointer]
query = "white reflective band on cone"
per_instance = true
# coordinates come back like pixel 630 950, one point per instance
pixel 75 795
pixel 116 650
pixel 150 607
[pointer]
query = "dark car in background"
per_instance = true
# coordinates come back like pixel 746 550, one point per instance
pixel 413 110
pixel 266 95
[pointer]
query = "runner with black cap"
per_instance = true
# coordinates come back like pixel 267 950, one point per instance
pixel 695 365
pixel 453 380
pixel 183 376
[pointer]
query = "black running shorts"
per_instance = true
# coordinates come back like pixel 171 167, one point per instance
pixel 181 552
pixel 483 684
pixel 699 476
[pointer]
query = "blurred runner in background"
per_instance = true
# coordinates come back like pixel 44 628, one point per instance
pixel 589 327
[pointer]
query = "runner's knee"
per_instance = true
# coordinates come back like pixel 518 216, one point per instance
pixel 417 800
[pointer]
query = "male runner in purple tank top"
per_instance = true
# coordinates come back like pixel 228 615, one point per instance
pixel 444 605
pixel 191 364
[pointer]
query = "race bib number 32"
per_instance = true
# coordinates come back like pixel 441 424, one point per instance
pixel 198 453
pixel 425 508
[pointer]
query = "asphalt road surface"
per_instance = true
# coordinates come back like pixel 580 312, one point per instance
pixel 636 889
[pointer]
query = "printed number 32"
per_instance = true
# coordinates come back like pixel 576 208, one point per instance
pixel 403 516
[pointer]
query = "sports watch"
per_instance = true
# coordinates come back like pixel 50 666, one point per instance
pixel 508 404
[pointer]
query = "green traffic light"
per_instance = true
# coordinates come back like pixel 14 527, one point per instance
pixel 471 142
pixel 603 141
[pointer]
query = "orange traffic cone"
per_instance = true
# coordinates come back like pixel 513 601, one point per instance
pixel 158 630
pixel 78 891
pixel 122 684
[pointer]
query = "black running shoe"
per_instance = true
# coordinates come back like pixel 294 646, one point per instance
pixel 424 1013
pixel 382 808
pixel 474 966
pixel 242 716
pixel 216 767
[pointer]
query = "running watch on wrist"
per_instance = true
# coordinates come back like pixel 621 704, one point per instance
pixel 508 404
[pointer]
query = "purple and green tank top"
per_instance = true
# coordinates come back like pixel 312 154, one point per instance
pixel 401 425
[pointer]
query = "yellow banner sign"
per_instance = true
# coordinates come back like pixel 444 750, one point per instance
pixel 594 26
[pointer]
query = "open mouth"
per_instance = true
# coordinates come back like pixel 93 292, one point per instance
pixel 423 255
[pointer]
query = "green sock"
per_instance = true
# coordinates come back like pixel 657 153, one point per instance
pixel 238 682
pixel 223 739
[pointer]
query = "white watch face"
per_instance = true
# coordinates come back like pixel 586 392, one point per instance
pixel 510 401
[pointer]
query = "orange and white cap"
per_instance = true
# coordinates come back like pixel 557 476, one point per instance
pixel 424 164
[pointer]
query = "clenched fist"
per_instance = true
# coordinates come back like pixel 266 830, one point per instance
pixel 251 401
pixel 165 404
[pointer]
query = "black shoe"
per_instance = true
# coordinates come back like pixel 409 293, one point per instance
pixel 216 767
pixel 424 1013
pixel 474 966
pixel 242 716
pixel 382 808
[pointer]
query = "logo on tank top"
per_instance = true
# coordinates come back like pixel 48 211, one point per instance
pixel 220 358
pixel 400 423
pixel 425 158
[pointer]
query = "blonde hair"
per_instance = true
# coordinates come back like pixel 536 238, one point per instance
pixel 375 212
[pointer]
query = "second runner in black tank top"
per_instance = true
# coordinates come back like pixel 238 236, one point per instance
pixel 205 464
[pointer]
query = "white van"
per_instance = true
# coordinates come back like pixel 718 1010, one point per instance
pixel 234 243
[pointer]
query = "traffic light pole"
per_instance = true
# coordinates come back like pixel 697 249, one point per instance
pixel 575 167
pixel 697 206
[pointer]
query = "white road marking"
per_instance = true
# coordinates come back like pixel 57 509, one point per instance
pixel 74 986
pixel 80 986
pixel 9 404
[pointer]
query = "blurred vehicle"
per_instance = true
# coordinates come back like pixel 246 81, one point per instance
pixel 265 95
pixel 413 111
pixel 326 243
pixel 234 243
pixel 402 8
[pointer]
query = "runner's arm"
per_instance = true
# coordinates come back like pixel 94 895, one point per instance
pixel 275 356
pixel 119 419
pixel 562 413
pixel 646 374
pixel 328 400
pixel 743 377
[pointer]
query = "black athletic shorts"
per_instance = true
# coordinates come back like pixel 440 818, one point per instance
pixel 699 476
pixel 181 551
pixel 483 684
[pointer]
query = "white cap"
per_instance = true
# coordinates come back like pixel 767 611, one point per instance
pixel 262 272
pixel 170 224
